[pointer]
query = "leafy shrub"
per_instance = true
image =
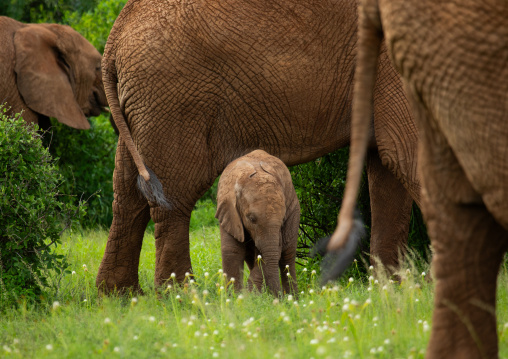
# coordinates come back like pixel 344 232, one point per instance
pixel 320 187
pixel 32 214
pixel 86 160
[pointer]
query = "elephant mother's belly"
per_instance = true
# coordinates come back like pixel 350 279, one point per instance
pixel 242 75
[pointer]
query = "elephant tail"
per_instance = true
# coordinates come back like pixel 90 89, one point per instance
pixel 369 43
pixel 148 183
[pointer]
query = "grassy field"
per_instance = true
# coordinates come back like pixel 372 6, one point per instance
pixel 362 318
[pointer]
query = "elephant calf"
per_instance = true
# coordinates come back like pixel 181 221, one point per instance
pixel 259 214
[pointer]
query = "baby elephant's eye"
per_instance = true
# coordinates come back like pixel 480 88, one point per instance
pixel 251 218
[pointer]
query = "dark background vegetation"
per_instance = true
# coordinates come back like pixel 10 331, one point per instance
pixel 86 158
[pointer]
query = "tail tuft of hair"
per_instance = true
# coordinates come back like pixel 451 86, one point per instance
pixel 335 263
pixel 152 190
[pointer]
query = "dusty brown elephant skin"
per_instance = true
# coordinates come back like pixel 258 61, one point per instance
pixel 49 70
pixel 259 214
pixel 193 85
pixel 453 57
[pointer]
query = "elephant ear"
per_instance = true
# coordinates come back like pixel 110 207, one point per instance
pixel 227 212
pixel 44 76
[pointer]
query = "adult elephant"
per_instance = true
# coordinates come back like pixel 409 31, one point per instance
pixel 193 85
pixel 49 70
pixel 454 60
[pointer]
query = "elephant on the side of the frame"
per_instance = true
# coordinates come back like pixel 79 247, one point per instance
pixel 453 57
pixel 193 85
pixel 49 70
pixel 259 215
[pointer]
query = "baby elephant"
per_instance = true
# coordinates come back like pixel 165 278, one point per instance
pixel 259 215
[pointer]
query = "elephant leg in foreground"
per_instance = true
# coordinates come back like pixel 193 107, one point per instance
pixel 119 267
pixel 469 247
pixel 390 206
pixel 233 256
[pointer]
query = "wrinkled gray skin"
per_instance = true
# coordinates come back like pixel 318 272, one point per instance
pixel 49 70
pixel 193 85
pixel 259 214
pixel 453 57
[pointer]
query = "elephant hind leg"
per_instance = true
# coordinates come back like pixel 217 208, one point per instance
pixel 131 213
pixel 391 212
pixel 469 247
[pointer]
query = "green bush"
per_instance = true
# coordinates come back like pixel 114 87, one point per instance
pixel 86 160
pixel 32 213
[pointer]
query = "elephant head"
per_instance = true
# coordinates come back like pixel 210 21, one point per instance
pixel 255 210
pixel 58 73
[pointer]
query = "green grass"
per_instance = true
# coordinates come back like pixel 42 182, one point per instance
pixel 206 319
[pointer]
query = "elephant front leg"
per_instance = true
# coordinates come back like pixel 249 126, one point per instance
pixel 391 212
pixel 233 256
pixel 119 267
pixel 288 255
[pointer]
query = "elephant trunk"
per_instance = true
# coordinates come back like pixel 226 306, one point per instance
pixel 271 252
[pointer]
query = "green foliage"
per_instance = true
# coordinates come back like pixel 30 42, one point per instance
pixel 86 160
pixel 32 214
pixel 320 187
pixel 43 10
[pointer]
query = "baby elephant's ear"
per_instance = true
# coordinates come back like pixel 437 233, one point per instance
pixel 227 213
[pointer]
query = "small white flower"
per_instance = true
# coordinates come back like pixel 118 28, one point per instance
pixel 177 296
pixel 286 319
pixel 295 303
pixel 314 341
pixel 215 332
pixel 116 349
pixel 135 337
pixel 163 349
pixel 232 279
pixel 206 274
pixel 173 275
pixel 311 291
pixel 311 302
pixel 346 339
pixel 7 349
pixel 134 300
pixel 56 305
pixel 368 301
pixel 371 278
pixel 357 317
pixel 346 300
pixel 205 292
pixel 191 281
pixel 187 274
pixel 240 297
pixel 371 268
pixel 15 341
pixel 376 282
pixel 290 297
pixel 85 300
pixel 170 286
pixel 215 355
pixel 369 289
pixel 373 350
pixel 259 257
pixel 288 274
pixel 152 319
pixel 417 300
pixel 107 320
pixel 175 345
pixel 426 327
pixel 331 340
pixel 221 287
pixel 408 271
pixel 49 346
pixel 385 287
pixel 299 331
pixel 345 307
pixel 228 300
pixel 231 325
pixel 387 341
pixel 84 266
pixel 305 269
pixel 375 319
pixel 351 280
pixel 423 274
pixel 197 333
pixel 313 271
pixel 380 349
pixel 73 272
